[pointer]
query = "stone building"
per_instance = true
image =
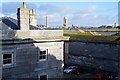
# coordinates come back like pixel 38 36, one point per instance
pixel 28 53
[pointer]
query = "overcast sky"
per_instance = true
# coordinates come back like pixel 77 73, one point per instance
pixel 78 13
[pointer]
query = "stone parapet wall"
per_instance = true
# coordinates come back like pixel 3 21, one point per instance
pixel 94 55
pixel 31 33
pixel 0 66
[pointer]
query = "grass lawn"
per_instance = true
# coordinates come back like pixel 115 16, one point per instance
pixel 92 37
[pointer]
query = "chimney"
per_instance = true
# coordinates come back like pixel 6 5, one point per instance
pixel 33 11
pixel 46 22
pixel 30 11
pixel 65 24
pixel 24 4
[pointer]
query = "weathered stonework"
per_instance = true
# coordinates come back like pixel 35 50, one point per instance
pixel 0 57
pixel 27 64
pixel 24 48
pixel 23 17
pixel 0 66
pixel 65 25
pixel 32 18
pixel 99 56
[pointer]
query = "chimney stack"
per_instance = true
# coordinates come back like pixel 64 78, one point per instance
pixel 33 11
pixel 24 4
pixel 46 22
pixel 65 24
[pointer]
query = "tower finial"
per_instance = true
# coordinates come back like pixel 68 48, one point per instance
pixel 24 4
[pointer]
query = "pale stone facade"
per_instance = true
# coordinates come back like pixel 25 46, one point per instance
pixel 26 62
pixel 26 49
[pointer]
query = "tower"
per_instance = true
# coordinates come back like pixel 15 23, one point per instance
pixel 65 25
pixel 46 22
pixel 23 17
pixel 32 18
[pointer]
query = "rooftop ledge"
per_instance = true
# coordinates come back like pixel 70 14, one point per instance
pixel 23 34
pixel 32 40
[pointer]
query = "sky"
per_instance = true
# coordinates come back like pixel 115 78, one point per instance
pixel 78 13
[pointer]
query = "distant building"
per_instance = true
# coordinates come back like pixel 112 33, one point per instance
pixel 28 52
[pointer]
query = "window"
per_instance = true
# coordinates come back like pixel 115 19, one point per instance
pixel 43 54
pixel 7 58
pixel 43 77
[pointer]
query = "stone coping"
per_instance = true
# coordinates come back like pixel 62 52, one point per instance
pixel 31 40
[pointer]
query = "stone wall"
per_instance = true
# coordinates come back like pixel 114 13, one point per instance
pixel 93 55
pixel 0 66
pixel 54 63
pixel 26 60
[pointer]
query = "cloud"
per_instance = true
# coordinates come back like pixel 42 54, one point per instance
pixel 53 19
pixel 91 8
pixel 57 13
pixel 81 16
pixel 11 7
pixel 2 15
pixel 48 9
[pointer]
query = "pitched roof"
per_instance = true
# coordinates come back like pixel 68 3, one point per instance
pixel 11 23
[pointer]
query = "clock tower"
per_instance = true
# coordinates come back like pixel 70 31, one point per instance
pixel 23 17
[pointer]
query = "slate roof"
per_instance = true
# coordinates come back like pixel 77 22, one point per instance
pixel 11 23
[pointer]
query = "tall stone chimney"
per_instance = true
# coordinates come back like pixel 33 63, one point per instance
pixel 32 18
pixel 24 4
pixel 23 17
pixel 65 24
pixel 46 22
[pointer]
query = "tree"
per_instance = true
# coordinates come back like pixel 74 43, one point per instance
pixel 109 27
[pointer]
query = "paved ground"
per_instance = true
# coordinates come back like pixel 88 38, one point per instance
pixel 85 76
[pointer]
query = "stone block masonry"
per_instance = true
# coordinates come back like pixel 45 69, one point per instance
pixel 93 55
pixel 27 63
